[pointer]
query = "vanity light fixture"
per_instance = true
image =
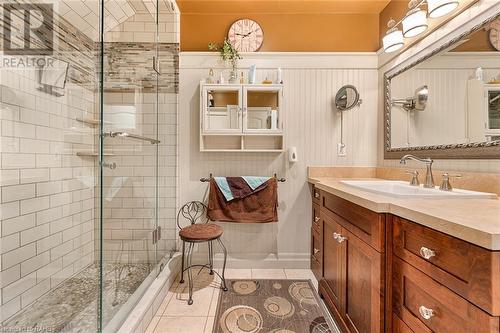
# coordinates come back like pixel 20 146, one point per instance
pixel 415 21
pixel 393 39
pixel 438 8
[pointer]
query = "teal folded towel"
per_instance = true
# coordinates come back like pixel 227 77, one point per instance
pixel 255 182
pixel 224 187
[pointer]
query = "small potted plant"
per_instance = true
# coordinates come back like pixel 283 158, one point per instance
pixel 228 54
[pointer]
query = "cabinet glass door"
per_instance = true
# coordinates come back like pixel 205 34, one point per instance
pixel 222 109
pixel 262 107
pixel 494 110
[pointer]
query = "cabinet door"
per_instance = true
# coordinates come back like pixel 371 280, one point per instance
pixel 221 109
pixel 262 109
pixel 333 261
pixel 363 284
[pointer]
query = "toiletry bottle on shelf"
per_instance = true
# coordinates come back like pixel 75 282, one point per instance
pixel 251 74
pixel 242 78
pixel 279 79
pixel 210 78
pixel 221 80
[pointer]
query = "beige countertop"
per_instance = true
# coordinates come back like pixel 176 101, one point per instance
pixel 474 220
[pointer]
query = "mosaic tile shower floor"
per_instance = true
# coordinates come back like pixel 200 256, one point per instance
pixel 72 306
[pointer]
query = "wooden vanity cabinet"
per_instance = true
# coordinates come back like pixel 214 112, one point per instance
pixel 352 284
pixel 382 273
pixel 441 283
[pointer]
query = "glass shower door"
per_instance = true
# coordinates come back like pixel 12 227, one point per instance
pixel 129 230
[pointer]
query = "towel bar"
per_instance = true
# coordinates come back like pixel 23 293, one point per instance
pixel 204 180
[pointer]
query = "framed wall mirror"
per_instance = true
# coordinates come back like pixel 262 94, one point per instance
pixel 446 104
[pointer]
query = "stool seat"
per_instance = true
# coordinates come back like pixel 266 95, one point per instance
pixel 200 232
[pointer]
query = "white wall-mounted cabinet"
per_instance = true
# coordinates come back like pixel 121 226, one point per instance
pixel 241 117
pixel 492 106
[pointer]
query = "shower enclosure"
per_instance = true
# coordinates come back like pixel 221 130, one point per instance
pixel 88 159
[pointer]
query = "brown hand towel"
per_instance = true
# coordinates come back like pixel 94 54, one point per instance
pixel 240 188
pixel 261 206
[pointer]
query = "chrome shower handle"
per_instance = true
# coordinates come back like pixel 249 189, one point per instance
pixel 110 165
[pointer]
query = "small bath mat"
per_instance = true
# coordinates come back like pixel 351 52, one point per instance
pixel 269 306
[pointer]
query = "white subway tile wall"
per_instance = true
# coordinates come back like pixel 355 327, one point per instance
pixel 49 199
pixel 47 209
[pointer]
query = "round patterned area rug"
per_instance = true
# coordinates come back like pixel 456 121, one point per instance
pixel 269 306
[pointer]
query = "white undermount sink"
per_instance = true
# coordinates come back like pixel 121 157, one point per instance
pixel 404 190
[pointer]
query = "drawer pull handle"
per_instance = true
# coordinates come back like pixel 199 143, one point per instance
pixel 316 219
pixel 339 237
pixel 426 313
pixel 316 251
pixel 316 194
pixel 427 253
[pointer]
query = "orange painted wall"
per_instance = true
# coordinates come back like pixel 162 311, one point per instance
pixel 287 32
pixel 396 9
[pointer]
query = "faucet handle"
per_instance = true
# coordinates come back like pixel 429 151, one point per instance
pixel 414 180
pixel 445 183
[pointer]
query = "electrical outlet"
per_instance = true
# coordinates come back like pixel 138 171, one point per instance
pixel 341 149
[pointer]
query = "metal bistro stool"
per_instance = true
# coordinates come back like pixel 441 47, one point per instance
pixel 199 233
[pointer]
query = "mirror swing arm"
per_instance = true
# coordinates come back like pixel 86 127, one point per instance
pixel 343 104
pixel 473 150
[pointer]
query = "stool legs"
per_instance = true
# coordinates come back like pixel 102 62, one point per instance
pixel 224 287
pixel 211 257
pixel 190 275
pixel 182 265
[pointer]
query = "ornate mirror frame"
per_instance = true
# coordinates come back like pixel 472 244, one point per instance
pixel 477 150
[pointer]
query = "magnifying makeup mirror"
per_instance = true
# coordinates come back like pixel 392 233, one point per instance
pixel 347 98
pixel 418 102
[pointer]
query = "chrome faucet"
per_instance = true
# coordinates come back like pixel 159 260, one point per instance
pixel 429 179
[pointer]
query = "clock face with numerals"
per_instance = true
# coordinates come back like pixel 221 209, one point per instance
pixel 495 34
pixel 246 35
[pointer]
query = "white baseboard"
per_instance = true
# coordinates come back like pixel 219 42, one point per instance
pixel 256 261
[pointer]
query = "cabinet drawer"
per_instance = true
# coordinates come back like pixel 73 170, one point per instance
pixel 316 245
pixel 316 217
pixel 425 305
pixel 316 195
pixel 364 223
pixel 399 326
pixel 463 267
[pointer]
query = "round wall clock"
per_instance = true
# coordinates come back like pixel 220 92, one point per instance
pixel 495 34
pixel 246 35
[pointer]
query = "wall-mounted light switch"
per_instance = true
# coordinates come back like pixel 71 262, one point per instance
pixel 341 149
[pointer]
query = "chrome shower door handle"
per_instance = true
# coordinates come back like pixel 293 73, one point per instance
pixel 110 165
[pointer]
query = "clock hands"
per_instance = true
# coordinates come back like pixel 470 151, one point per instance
pixel 247 34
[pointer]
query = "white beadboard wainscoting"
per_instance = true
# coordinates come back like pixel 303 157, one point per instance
pixel 311 124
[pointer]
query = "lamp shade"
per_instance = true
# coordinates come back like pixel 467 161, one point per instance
pixel 415 22
pixel 438 8
pixel 393 40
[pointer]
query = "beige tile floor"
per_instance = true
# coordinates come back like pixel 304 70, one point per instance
pixel 176 316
